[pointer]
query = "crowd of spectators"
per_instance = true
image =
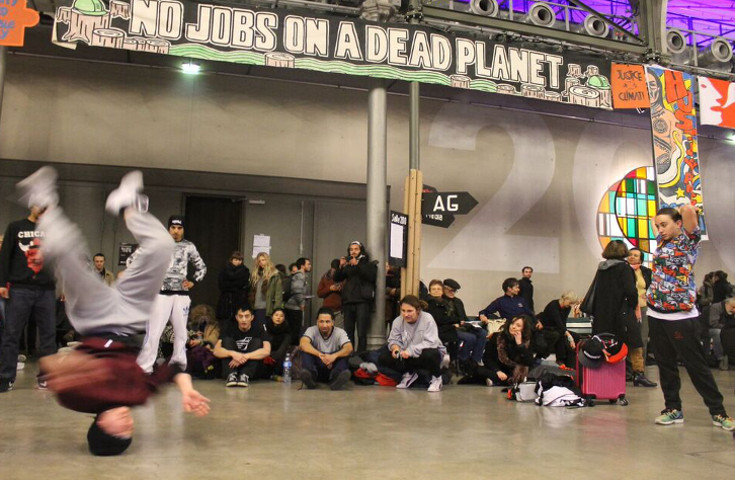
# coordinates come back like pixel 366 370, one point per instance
pixel 258 320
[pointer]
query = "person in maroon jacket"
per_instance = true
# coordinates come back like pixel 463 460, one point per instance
pixel 101 375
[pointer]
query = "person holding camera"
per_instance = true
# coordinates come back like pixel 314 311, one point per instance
pixel 358 291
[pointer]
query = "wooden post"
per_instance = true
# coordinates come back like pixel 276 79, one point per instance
pixel 411 275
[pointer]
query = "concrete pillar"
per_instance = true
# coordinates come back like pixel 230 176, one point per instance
pixel 377 201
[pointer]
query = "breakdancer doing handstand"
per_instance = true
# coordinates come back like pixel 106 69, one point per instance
pixel 101 376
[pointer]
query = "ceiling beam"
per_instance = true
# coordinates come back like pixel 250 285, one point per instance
pixel 531 29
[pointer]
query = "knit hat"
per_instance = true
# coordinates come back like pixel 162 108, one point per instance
pixel 176 220
pixel 452 283
pixel 103 444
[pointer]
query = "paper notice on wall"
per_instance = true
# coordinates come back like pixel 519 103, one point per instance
pixel 261 249
pixel 261 240
pixel 396 240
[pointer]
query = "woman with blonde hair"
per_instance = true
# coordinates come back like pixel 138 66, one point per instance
pixel 266 289
pixel 554 319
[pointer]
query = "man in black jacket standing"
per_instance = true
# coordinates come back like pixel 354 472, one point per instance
pixel 527 287
pixel 358 291
pixel 27 285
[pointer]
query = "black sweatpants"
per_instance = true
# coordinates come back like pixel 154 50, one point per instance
pixel 670 338
pixel 429 360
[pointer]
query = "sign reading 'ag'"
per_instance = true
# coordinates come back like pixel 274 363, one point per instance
pixel 439 208
pixel 456 203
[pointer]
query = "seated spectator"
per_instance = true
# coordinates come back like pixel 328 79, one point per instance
pixel 414 345
pixel 330 292
pixel 508 355
pixel 280 338
pixel 204 332
pixel 234 287
pixel 325 349
pixel 242 348
pixel 472 339
pixel 554 320
pixel 510 305
pixel 446 323
pixel 722 331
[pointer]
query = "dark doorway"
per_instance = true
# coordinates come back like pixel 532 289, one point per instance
pixel 213 224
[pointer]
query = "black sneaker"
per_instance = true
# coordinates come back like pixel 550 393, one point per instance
pixel 6 386
pixel 243 381
pixel 308 379
pixel 231 380
pixel 340 380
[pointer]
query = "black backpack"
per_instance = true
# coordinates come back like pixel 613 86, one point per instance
pixel 286 286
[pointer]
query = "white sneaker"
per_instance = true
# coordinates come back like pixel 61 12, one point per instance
pixel 407 380
pixel 39 189
pixel 489 382
pixel 128 194
pixel 436 384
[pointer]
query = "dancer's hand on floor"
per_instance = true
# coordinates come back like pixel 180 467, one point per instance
pixel 196 403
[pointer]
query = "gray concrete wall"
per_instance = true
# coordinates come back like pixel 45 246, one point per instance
pixel 538 178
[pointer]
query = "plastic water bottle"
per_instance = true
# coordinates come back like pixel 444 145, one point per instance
pixel 287 369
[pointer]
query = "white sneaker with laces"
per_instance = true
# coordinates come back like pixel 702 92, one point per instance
pixel 436 384
pixel 39 189
pixel 127 194
pixel 407 380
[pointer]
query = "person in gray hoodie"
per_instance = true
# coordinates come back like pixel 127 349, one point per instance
pixel 414 344
pixel 296 302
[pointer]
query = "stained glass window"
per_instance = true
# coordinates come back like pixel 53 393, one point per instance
pixel 626 210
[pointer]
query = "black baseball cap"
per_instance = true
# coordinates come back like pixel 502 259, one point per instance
pixel 176 220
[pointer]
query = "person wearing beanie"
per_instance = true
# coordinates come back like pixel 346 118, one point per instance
pixel 173 301
pixel 101 376
pixel 358 275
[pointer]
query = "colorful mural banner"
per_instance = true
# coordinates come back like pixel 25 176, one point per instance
pixel 629 86
pixel 716 102
pixel 15 17
pixel 675 147
pixel 304 40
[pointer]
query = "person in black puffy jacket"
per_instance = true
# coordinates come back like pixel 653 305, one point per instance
pixel 358 291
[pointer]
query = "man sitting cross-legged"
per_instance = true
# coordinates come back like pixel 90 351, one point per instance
pixel 325 350
pixel 242 347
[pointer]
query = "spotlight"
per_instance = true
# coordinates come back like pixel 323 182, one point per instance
pixel 719 51
pixel 675 41
pixel 541 14
pixel 488 8
pixel 190 68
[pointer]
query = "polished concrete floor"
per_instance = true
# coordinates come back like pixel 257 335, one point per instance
pixel 270 431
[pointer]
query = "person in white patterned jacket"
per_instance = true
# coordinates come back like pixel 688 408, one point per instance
pixel 173 301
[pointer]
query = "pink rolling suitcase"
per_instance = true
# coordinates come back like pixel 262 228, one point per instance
pixel 604 383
